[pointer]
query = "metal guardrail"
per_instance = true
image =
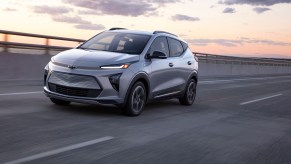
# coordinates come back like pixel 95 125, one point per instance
pixel 203 57
pixel 46 46
pixel 212 58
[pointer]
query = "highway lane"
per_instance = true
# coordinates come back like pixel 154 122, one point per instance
pixel 218 128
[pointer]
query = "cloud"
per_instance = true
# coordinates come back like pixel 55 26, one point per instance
pixel 89 12
pixel 180 17
pixel 60 14
pixel 182 35
pixel 235 42
pixel 269 42
pixel 90 26
pixel 260 10
pixel 229 10
pixel 222 42
pixel 161 2
pixel 69 19
pixel 116 7
pixel 52 10
pixel 244 38
pixel 9 9
pixel 254 2
pixel 80 23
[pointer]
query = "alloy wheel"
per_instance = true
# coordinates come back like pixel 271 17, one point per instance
pixel 191 91
pixel 138 99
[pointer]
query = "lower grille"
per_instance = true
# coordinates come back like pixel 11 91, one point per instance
pixel 71 91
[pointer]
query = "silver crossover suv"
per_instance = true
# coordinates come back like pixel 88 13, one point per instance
pixel 123 67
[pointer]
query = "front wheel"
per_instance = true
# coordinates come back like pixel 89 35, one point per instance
pixel 190 94
pixel 60 102
pixel 136 100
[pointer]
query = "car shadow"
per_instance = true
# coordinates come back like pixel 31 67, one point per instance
pixel 111 110
pixel 84 109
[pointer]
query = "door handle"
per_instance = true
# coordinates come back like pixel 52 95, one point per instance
pixel 171 64
pixel 189 63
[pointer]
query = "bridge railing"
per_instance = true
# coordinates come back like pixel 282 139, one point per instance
pixel 6 43
pixel 203 57
pixel 212 58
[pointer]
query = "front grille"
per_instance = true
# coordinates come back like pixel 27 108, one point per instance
pixel 73 80
pixel 73 85
pixel 71 91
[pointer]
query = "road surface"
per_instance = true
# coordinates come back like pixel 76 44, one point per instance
pixel 234 120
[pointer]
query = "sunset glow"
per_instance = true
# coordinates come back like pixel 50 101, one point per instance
pixel 228 27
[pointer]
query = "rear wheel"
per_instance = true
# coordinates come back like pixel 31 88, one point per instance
pixel 60 102
pixel 136 100
pixel 190 94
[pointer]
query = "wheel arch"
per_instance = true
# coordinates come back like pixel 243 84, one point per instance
pixel 142 77
pixel 193 75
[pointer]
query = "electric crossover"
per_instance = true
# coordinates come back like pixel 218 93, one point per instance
pixel 123 67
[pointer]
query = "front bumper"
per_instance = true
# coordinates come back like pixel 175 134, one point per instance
pixel 107 94
pixel 84 100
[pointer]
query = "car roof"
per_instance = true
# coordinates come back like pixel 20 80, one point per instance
pixel 158 33
pixel 132 32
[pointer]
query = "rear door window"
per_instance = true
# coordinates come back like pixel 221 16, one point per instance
pixel 159 44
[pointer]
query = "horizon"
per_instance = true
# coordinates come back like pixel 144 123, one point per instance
pixel 230 27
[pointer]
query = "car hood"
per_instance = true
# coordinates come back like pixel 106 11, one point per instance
pixel 92 58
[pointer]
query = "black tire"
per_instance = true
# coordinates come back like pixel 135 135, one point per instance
pixel 190 93
pixel 60 102
pixel 136 100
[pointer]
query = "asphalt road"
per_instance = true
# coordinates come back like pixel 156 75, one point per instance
pixel 234 120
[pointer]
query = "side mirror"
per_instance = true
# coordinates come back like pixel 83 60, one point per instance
pixel 158 55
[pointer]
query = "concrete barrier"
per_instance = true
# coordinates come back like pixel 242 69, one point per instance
pixel 27 66
pixel 22 66
pixel 213 69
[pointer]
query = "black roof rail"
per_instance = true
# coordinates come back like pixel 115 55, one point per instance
pixel 157 32
pixel 117 28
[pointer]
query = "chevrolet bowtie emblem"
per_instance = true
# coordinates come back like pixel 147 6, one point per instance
pixel 72 67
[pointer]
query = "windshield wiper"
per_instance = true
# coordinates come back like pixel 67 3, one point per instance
pixel 82 48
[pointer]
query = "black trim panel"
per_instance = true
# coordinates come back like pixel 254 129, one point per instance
pixel 141 75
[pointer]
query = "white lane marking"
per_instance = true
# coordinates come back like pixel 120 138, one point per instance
pixel 241 79
pixel 60 150
pixel 20 93
pixel 264 98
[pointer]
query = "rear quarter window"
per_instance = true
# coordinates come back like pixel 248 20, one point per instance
pixel 176 48
pixel 185 46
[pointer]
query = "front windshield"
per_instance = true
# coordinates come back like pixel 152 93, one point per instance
pixel 117 42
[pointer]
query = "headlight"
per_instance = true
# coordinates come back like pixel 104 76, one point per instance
pixel 52 59
pixel 120 66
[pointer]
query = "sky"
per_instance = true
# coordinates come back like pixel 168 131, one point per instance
pixel 251 28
